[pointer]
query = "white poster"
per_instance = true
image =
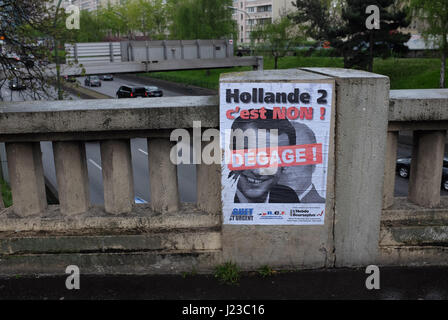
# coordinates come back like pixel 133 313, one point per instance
pixel 275 139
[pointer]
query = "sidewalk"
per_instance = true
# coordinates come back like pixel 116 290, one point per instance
pixel 430 283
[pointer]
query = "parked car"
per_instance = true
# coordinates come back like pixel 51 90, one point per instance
pixel 107 77
pixel 70 78
pixel 403 169
pixel 16 84
pixel 92 81
pixel 27 60
pixel 154 91
pixel 131 92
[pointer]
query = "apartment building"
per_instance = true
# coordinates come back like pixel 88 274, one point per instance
pixel 249 13
pixel 92 5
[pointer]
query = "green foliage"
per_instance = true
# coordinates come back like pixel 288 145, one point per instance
pixel 277 37
pixel 346 30
pixel 201 19
pixel 435 15
pixel 403 73
pixel 6 193
pixel 90 27
pixel 266 271
pixel 228 273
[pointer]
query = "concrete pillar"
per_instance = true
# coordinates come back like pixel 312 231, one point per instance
pixel 214 49
pixel 111 51
pixel 117 176
pixel 426 168
pixel 72 177
pixel 165 51
pixel 162 176
pixel 75 50
pixel 282 246
pixel 362 105
pixel 389 172
pixel 26 177
pixel 147 53
pixel 182 49
pixel 198 46
pixel 259 65
pixel 209 186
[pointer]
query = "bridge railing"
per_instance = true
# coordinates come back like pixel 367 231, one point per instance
pixel 425 114
pixel 23 125
pixel 364 222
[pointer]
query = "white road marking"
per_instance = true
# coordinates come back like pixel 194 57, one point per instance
pixel 143 151
pixel 95 164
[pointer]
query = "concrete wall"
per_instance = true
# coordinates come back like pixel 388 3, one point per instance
pixel 357 230
pixel 158 50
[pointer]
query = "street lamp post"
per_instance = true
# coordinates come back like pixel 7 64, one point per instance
pixel 243 11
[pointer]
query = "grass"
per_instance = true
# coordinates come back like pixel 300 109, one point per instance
pixel 228 273
pixel 6 193
pixel 266 271
pixel 403 73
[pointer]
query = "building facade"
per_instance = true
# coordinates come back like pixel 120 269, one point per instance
pixel 249 13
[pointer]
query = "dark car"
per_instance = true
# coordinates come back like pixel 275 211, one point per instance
pixel 403 169
pixel 70 78
pixel 92 81
pixel 107 77
pixel 16 84
pixel 131 92
pixel 154 91
pixel 27 60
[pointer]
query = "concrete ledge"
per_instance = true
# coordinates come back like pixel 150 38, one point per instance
pixel 414 236
pixel 418 105
pixel 189 241
pixel 103 115
pixel 159 262
pixel 160 65
pixel 96 221
pixel 405 213
pixel 412 256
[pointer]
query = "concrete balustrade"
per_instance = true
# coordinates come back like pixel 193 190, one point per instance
pixel 162 176
pixel 426 168
pixel 72 177
pixel 389 172
pixel 117 176
pixel 364 222
pixel 26 178
pixel 425 113
pixel 208 186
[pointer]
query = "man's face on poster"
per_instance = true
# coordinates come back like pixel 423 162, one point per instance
pixel 255 184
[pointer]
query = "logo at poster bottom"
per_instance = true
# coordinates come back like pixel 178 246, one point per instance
pixel 271 215
pixel 242 214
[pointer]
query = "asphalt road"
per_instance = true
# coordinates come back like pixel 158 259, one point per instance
pixel 110 88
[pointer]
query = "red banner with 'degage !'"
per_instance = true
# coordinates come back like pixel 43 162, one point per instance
pixel 285 156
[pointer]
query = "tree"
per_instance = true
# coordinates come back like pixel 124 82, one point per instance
pixel 201 19
pixel 91 27
pixel 435 15
pixel 277 37
pixel 348 33
pixel 31 28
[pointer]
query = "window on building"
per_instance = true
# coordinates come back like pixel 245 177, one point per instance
pixel 264 21
pixel 241 5
pixel 251 9
pixel 264 8
pixel 242 17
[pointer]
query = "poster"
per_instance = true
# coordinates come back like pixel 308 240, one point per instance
pixel 275 142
